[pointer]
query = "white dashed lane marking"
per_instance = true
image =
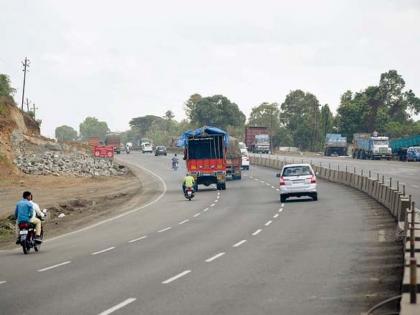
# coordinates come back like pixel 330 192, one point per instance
pixel 268 223
pixel 281 209
pixel 205 210
pixel 257 232
pixel 276 215
pixel 165 229
pixel 3 282
pixel 176 277
pixel 138 239
pixel 185 221
pixel 118 306
pixel 103 250
pixel 54 266
pixel 239 243
pixel 215 257
pixel 196 215
pixel 212 205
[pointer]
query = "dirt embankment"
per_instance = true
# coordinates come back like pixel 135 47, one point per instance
pixel 73 199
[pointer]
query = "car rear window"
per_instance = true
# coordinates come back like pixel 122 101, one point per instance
pixel 297 171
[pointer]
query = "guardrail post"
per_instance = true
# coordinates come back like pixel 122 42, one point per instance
pixel 383 179
pixel 404 190
pixel 390 182
pixel 413 280
pixel 412 230
pixel 370 174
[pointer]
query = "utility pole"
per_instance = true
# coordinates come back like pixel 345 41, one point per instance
pixel 25 64
pixel 27 104
pixel 34 108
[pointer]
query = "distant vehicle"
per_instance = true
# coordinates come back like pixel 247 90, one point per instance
pixel 160 150
pixel 335 144
pixel 242 146
pixel 371 147
pixel 245 159
pixel 400 146
pixel 146 148
pixel 114 139
pixel 205 155
pixel 233 160
pixel 413 154
pixel 257 139
pixel 297 180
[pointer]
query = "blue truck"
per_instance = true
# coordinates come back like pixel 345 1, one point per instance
pixel 371 147
pixel 335 144
pixel 406 148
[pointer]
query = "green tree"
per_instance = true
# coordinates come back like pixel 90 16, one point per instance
pixel 65 133
pixel 5 87
pixel 217 111
pixel 92 127
pixel 190 105
pixel 301 115
pixel 142 124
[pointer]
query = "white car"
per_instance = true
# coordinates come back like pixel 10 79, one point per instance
pixel 245 159
pixel 297 180
pixel 146 148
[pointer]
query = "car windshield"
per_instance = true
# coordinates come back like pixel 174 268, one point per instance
pixel 300 170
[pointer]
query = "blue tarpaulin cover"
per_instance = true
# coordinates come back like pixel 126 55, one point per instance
pixel 182 140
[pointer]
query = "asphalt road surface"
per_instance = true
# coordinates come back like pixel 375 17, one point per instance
pixel 407 173
pixel 238 251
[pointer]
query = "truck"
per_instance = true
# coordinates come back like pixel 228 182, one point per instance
pixel 335 144
pixel 233 160
pixel 114 139
pixel 400 146
pixel 205 155
pixel 257 139
pixel 372 147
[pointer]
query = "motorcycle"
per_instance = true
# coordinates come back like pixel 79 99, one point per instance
pixel 27 235
pixel 189 193
pixel 175 166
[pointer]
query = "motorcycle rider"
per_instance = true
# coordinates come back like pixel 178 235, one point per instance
pixel 188 182
pixel 175 162
pixel 37 213
pixel 24 213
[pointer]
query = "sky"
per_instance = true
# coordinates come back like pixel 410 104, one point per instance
pixel 116 60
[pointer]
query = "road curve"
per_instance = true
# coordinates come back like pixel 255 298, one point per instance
pixel 238 251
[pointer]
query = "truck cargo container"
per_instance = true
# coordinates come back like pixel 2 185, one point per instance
pixel 233 160
pixel 114 139
pixel 400 146
pixel 372 147
pixel 257 139
pixel 205 155
pixel 335 144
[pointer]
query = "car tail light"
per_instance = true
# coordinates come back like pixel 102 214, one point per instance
pixel 313 179
pixel 282 182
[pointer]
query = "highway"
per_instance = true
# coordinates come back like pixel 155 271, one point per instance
pixel 407 173
pixel 238 251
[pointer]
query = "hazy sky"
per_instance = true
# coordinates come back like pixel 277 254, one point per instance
pixel 121 59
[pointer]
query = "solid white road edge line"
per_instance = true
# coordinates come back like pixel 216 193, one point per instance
pixel 118 306
pixel 103 250
pixel 54 266
pixel 138 239
pixel 257 232
pixel 185 221
pixel 165 229
pixel 268 223
pixel 176 277
pixel 239 243
pixel 197 214
pixel 215 257
pixel 165 189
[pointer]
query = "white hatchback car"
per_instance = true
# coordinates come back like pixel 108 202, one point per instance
pixel 297 180
pixel 245 159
